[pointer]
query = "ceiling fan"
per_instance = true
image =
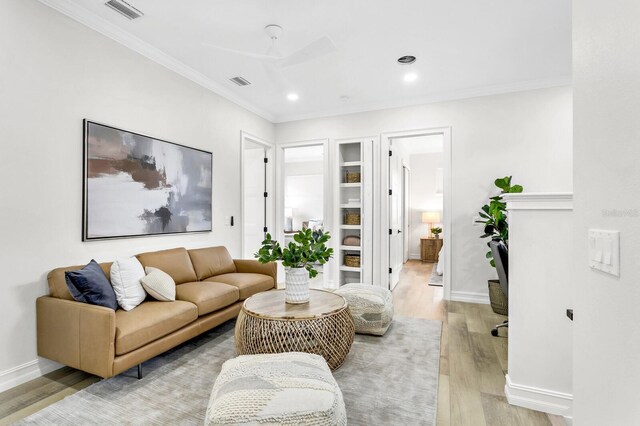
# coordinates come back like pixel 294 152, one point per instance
pixel 273 60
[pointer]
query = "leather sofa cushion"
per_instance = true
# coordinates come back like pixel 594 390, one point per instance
pixel 208 296
pixel 175 262
pixel 211 261
pixel 151 321
pixel 58 284
pixel 248 284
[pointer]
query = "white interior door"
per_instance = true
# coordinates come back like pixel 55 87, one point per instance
pixel 254 183
pixel 395 215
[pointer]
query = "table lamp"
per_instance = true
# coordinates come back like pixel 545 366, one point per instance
pixel 430 217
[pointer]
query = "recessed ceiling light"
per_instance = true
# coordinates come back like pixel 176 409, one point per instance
pixel 410 77
pixel 292 96
pixel 406 60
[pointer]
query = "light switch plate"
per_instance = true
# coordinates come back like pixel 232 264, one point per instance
pixel 604 251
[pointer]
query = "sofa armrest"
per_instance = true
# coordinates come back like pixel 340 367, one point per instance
pixel 255 267
pixel 77 334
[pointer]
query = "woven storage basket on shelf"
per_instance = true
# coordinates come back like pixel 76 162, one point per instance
pixel 351 240
pixel 352 177
pixel 352 260
pixel 352 218
pixel 499 302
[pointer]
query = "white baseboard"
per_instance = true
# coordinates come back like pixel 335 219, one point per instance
pixel 28 371
pixel 538 399
pixel 470 297
pixel 414 256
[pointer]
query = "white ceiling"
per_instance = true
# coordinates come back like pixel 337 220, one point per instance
pixel 464 48
pixel 420 144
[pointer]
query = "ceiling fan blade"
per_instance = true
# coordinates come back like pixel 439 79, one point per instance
pixel 242 53
pixel 316 49
pixel 275 76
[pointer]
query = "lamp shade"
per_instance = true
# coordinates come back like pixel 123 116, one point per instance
pixel 288 212
pixel 431 217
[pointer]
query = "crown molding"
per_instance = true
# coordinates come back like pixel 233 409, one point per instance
pixel 476 92
pixel 140 46
pixel 539 201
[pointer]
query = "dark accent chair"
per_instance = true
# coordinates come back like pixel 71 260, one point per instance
pixel 501 259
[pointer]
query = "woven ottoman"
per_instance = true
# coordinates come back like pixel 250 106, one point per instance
pixel 291 388
pixel 371 307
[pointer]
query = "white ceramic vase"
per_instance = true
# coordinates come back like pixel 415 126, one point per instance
pixel 297 286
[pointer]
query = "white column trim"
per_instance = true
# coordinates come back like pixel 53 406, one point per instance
pixel 539 399
pixel 539 201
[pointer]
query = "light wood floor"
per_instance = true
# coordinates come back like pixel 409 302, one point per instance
pixel 472 363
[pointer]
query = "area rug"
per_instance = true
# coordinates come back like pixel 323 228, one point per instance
pixel 435 279
pixel 390 380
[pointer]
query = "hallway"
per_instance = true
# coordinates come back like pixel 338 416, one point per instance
pixel 472 362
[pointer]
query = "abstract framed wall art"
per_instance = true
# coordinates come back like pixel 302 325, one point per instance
pixel 137 185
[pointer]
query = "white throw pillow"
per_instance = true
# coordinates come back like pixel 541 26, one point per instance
pixel 159 284
pixel 125 279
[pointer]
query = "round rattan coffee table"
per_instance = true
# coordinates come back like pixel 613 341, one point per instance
pixel 268 325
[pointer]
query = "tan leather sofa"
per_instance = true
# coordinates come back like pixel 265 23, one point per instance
pixel 210 288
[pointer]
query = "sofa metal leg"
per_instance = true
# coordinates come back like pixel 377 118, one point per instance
pixel 139 371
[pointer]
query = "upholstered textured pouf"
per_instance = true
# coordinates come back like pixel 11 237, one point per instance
pixel 371 307
pixel 292 388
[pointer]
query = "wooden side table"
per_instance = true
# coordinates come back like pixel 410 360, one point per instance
pixel 324 326
pixel 429 249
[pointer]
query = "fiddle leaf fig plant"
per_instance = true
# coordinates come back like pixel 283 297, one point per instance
pixel 494 215
pixel 307 249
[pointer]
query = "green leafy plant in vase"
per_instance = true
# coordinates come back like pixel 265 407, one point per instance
pixel 299 257
pixel 494 215
pixel 436 232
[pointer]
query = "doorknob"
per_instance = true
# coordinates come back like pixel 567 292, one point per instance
pixel 399 231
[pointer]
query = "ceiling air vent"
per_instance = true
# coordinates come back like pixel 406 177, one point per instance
pixel 240 81
pixel 124 8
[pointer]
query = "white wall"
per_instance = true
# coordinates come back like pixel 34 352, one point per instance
pixel 423 196
pixel 53 73
pixel 607 196
pixel 304 190
pixel 526 134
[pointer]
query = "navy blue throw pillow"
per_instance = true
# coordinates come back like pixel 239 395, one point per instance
pixel 90 285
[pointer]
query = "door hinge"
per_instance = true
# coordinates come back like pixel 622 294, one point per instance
pixel 266 160
pixel 266 194
pixel 264 229
pixel 391 192
pixel 390 231
pixel 391 270
pixel 390 153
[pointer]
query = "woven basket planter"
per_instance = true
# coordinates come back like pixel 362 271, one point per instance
pixel 352 260
pixel 352 218
pixel 499 302
pixel 352 177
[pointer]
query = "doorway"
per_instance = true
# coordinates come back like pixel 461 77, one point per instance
pixel 417 199
pixel 257 193
pixel 303 196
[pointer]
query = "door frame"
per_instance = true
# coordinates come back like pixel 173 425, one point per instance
pixel 246 137
pixel 406 204
pixel 327 194
pixel 383 208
